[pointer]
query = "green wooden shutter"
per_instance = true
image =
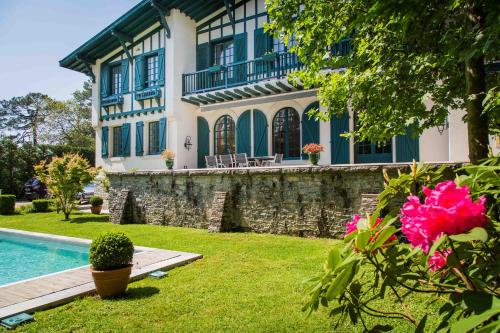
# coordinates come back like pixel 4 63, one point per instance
pixel 125 144
pixel 310 127
pixel 243 135
pixel 139 138
pixel 140 75
pixel 163 134
pixel 239 55
pixel 125 80
pixel 340 145
pixel 263 43
pixel 161 68
pixel 203 141
pixel 407 147
pixel 104 141
pixel 202 56
pixel 105 76
pixel 259 133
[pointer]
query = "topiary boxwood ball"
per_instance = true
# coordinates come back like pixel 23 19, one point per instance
pixel 96 201
pixel 111 251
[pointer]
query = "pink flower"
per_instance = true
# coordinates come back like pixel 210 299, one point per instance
pixel 353 225
pixel 447 209
pixel 438 260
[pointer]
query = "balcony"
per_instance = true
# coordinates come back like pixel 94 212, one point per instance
pixel 270 66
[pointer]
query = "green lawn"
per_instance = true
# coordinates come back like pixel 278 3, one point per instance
pixel 245 283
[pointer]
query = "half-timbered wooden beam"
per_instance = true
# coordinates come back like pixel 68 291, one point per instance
pixel 229 13
pixel 163 15
pixel 122 38
pixel 88 68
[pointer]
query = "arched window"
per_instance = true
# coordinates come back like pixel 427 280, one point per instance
pixel 224 136
pixel 286 133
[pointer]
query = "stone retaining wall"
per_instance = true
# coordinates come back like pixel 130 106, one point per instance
pixel 302 201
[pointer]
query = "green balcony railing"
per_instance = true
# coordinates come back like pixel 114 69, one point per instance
pixel 269 66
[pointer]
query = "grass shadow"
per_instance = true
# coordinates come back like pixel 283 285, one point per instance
pixel 140 293
pixel 85 219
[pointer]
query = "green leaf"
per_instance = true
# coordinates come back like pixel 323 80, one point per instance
pixel 383 236
pixel 339 283
pixel 436 245
pixel 334 258
pixel 471 322
pixel 362 239
pixel 479 234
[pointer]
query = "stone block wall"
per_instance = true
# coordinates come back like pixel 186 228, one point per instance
pixel 301 201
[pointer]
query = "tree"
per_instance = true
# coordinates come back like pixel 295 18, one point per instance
pixel 69 122
pixel 66 176
pixel 404 52
pixel 21 117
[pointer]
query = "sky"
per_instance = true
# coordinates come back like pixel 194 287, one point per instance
pixel 36 34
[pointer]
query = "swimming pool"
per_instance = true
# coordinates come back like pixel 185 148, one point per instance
pixel 25 256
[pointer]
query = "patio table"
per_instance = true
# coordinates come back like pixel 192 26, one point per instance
pixel 260 159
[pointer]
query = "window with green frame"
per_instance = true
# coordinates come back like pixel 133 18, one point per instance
pixel 117 141
pixel 152 70
pixel 116 80
pixel 286 133
pixel 154 138
pixel 225 136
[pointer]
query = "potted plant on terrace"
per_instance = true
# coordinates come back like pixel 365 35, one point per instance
pixel 313 150
pixel 168 156
pixel 111 259
pixel 95 204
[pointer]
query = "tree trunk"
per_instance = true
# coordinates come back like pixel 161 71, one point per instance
pixel 475 83
pixel 66 215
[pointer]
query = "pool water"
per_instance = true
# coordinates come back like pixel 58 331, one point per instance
pixel 23 257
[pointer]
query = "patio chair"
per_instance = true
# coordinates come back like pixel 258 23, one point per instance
pixel 278 158
pixel 241 160
pixel 211 162
pixel 226 161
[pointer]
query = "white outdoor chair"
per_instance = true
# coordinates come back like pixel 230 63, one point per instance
pixel 241 160
pixel 278 158
pixel 211 162
pixel 226 161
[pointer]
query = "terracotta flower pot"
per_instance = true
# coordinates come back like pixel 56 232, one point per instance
pixel 111 283
pixel 95 209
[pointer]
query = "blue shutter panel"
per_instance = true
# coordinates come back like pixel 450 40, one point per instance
pixel 105 76
pixel 240 54
pixel 125 144
pixel 243 135
pixel 161 67
pixel 202 56
pixel 340 145
pixel 163 134
pixel 260 133
pixel 104 141
pixel 125 80
pixel 203 141
pixel 139 138
pixel 310 127
pixel 407 147
pixel 140 76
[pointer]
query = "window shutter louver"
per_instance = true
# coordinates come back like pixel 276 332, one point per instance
pixel 243 136
pixel 163 134
pixel 340 145
pixel 260 133
pixel 161 67
pixel 202 56
pixel 125 80
pixel 140 76
pixel 263 43
pixel 203 141
pixel 104 141
pixel 125 144
pixel 310 127
pixel 139 138
pixel 240 54
pixel 105 76
pixel 407 147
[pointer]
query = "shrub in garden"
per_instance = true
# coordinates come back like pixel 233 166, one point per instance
pixel 452 228
pixel 41 205
pixel 66 176
pixel 7 204
pixel 96 201
pixel 111 251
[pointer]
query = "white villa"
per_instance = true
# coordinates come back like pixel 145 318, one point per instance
pixel 203 78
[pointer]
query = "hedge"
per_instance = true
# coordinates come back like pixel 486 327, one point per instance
pixel 7 204
pixel 41 205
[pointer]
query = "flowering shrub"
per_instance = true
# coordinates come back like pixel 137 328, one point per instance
pixel 453 252
pixel 312 148
pixel 168 154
